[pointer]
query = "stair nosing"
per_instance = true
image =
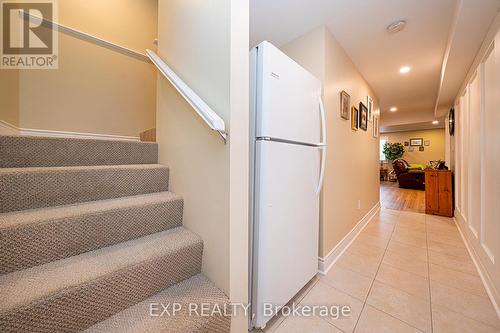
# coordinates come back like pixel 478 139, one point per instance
pixel 33 137
pixel 51 214
pixel 22 170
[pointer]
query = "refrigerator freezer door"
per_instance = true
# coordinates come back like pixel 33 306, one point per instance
pixel 286 223
pixel 287 98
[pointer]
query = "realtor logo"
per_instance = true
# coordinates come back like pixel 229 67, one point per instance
pixel 28 40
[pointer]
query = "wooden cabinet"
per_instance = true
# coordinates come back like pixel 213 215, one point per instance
pixel 439 192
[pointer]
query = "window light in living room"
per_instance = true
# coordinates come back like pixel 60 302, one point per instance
pixel 383 140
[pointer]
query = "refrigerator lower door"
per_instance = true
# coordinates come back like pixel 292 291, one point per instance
pixel 286 229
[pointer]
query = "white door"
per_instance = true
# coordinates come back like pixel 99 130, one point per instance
pixel 287 98
pixel 287 222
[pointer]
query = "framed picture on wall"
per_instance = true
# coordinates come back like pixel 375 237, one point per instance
pixel 369 105
pixel 363 116
pixel 427 142
pixel 422 148
pixel 376 127
pixel 354 118
pixel 416 142
pixel 345 104
pixel 411 149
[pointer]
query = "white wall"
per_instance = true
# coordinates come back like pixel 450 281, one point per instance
pixel 476 147
pixel 206 44
pixel 352 169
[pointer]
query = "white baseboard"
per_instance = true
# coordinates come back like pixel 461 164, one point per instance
pixel 491 290
pixel 9 129
pixel 326 263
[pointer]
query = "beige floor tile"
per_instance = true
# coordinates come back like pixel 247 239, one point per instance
pixel 406 230
pixel 462 281
pixel 375 232
pixel 406 307
pixel 400 261
pixel 439 220
pixel 412 225
pixel 472 306
pixel 387 220
pixel 446 321
pixel 348 281
pixel 413 216
pixel 443 231
pixel 464 265
pixel 324 295
pixel 386 217
pixel 447 228
pixel 372 240
pixel 417 239
pixel 359 263
pixel 375 321
pixel 379 229
pixel 390 211
pixel 449 239
pixel 460 252
pixel 408 282
pixel 411 219
pixel 360 247
pixel 306 324
pixel 411 252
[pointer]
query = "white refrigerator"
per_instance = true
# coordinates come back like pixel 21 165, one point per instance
pixel 288 160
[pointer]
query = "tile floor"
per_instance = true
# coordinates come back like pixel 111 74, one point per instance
pixel 406 272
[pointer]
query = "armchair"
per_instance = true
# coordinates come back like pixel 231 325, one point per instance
pixel 408 177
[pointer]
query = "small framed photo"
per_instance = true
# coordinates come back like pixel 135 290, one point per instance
pixel 376 127
pixel 354 118
pixel 345 104
pixel 369 104
pixel 363 117
pixel 411 149
pixel 421 148
pixel 407 143
pixel 416 142
pixel 427 143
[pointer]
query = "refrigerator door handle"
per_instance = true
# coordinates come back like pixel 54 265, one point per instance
pixel 323 146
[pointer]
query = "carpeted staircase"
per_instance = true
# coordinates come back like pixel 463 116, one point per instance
pixel 91 239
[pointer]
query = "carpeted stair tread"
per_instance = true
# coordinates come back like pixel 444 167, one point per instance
pixel 28 151
pixel 196 290
pixel 30 188
pixel 75 293
pixel 34 237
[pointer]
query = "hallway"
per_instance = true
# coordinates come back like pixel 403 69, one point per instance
pixel 406 272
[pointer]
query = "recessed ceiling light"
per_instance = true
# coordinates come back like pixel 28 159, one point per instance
pixel 393 109
pixel 405 69
pixel 435 122
pixel 396 26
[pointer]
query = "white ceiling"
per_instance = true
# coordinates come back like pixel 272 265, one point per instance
pixel 359 26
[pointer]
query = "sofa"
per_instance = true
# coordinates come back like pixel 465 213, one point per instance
pixel 408 177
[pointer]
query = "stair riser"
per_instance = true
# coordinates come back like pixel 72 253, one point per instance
pixel 36 244
pixel 28 190
pixel 80 307
pixel 20 152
